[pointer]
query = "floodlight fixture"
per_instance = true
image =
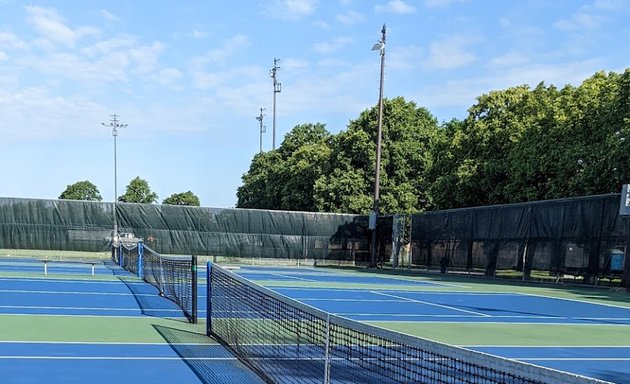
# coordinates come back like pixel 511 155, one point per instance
pixel 380 46
pixel 115 124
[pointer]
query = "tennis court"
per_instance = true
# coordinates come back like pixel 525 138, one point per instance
pixel 71 327
pixel 583 332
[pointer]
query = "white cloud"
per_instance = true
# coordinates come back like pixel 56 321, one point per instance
pixel 462 93
pixel 168 76
pixel 221 54
pixel 350 17
pixel 146 57
pixel 290 9
pixel 510 58
pixel 52 28
pixel 291 64
pixel 580 21
pixel 395 6
pixel 403 58
pixel 198 34
pixel 205 79
pixel 3 56
pixel 440 3
pixel 321 24
pixel 450 52
pixel 108 68
pixel 108 46
pixel 591 16
pixel 610 5
pixel 58 116
pixel 109 16
pixel 10 40
pixel 333 45
pixel 330 62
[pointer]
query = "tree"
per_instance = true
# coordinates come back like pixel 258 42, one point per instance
pixel 184 198
pixel 409 133
pixel 81 190
pixel 258 189
pixel 284 179
pixel 138 191
pixel 523 144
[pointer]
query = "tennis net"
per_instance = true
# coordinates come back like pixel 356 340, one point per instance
pixel 175 277
pixel 129 257
pixel 286 341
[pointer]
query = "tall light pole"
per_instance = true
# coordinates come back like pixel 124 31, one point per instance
pixel 277 88
pixel 115 124
pixel 379 46
pixel 263 129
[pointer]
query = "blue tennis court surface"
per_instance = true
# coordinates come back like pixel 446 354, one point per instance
pixel 462 306
pixel 36 362
pixel 39 313
pixel 396 305
pixel 177 359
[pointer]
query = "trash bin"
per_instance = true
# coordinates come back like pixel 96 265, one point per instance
pixel 616 260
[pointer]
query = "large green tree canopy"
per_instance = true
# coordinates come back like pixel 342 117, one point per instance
pixel 408 134
pixel 313 170
pixel 523 144
pixel 185 198
pixel 284 178
pixel 81 190
pixel 138 191
pixel 517 144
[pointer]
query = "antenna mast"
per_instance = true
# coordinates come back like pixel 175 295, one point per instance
pixel 263 128
pixel 277 88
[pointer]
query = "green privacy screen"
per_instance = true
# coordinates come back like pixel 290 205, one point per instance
pixel 578 236
pixel 55 224
pixel 245 232
pixel 87 226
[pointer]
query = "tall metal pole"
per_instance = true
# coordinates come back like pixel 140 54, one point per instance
pixel 277 88
pixel 263 129
pixel 380 46
pixel 115 124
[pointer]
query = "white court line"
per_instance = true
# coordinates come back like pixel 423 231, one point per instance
pixel 101 343
pixel 77 293
pixel 546 323
pixel 573 358
pixel 74 281
pixel 493 317
pixel 574 300
pixel 17 357
pixel 290 277
pixel 351 300
pixel 138 316
pixel 547 346
pixel 87 293
pixel 431 304
pixel 87 308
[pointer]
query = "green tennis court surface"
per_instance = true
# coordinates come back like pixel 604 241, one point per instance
pixel 69 326
pixel 583 331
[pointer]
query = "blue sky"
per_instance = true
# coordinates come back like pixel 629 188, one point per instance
pixel 189 77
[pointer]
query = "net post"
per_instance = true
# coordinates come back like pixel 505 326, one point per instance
pixel 327 352
pixel 140 256
pixel 209 298
pixel 121 256
pixel 45 267
pixel 193 271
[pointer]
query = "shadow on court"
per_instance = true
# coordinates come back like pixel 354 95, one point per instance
pixel 147 296
pixel 211 363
